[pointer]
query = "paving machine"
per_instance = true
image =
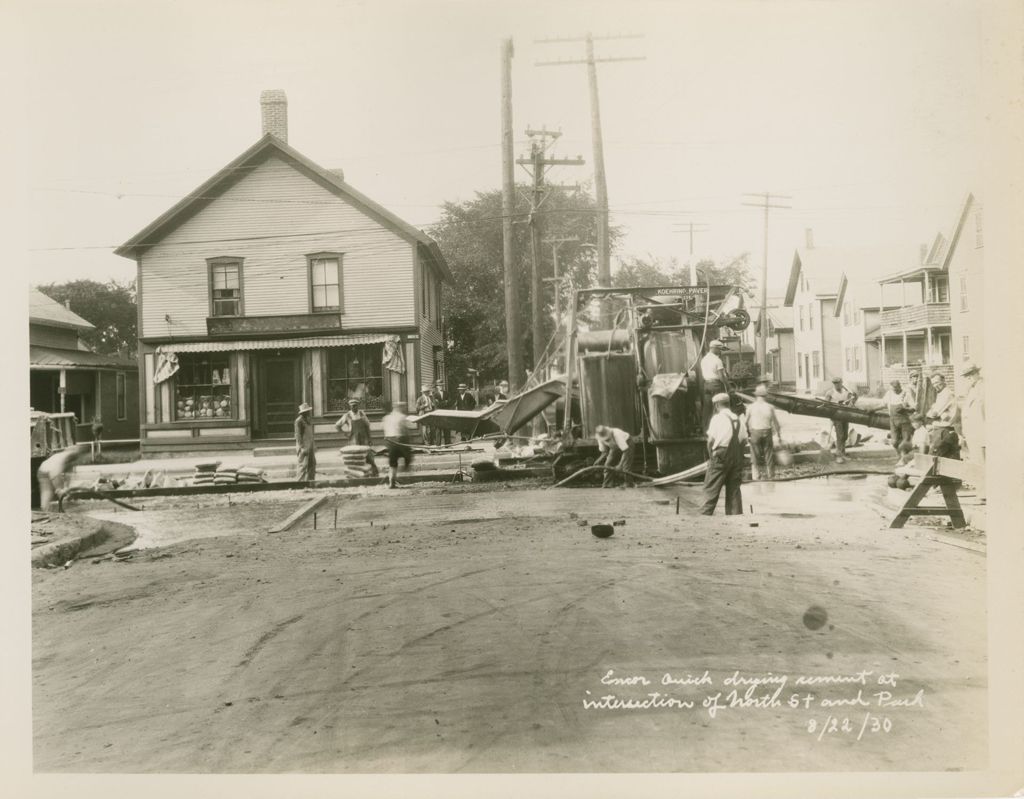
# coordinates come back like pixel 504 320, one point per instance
pixel 634 356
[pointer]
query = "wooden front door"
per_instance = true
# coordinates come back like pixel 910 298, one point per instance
pixel 280 394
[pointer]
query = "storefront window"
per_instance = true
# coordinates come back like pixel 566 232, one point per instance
pixel 203 388
pixel 355 373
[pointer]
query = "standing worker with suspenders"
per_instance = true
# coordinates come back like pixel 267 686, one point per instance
pixel 725 459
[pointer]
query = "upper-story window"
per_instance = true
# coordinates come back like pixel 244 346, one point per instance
pixel 963 292
pixel 938 290
pixel 225 286
pixel 325 282
pixel 810 316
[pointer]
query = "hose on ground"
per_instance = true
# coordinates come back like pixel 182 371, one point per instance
pixel 574 475
pixel 91 495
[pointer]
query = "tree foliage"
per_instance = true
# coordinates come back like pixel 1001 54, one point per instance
pixel 110 307
pixel 652 271
pixel 470 236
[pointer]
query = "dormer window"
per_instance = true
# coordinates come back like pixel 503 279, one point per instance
pixel 225 286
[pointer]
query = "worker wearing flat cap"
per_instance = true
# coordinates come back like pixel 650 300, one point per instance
pixel 762 423
pixel 972 415
pixel 715 378
pixel 305 446
pixel 840 395
pixel 725 458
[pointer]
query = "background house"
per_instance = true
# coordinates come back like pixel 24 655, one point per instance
pixel 811 293
pixel 858 307
pixel 917 333
pixel 276 283
pixel 65 376
pixel 780 369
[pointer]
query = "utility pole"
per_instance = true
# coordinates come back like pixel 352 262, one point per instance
pixel 537 166
pixel 765 200
pixel 693 227
pixel 604 273
pixel 513 339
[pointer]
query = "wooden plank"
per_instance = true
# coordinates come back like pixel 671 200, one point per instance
pixel 947 467
pixel 306 509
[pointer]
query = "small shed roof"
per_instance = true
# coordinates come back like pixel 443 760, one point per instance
pixel 52 357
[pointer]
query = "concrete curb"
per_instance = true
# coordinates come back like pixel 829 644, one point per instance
pixel 60 552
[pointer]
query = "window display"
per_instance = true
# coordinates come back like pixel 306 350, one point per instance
pixel 203 388
pixel 355 373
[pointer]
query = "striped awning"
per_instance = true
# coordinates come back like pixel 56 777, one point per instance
pixel 276 343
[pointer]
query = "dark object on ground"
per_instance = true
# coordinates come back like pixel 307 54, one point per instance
pixel 815 617
pixel 484 466
pixel 602 530
pixel 893 480
pixel 903 482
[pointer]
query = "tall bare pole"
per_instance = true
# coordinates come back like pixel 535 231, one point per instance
pixel 691 228
pixel 604 272
pixel 513 338
pixel 765 201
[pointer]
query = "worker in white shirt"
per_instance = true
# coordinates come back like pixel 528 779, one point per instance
pixel 725 459
pixel 715 377
pixel 762 422
pixel 52 473
pixel 616 447
pixel 899 404
pixel 396 436
pixel 841 395
pixel 944 407
pixel 972 415
pixel 919 438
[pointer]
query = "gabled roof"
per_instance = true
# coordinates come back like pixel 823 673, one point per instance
pixel 933 262
pixel 232 173
pixel 43 310
pixel 869 293
pixel 957 230
pixel 824 267
pixel 780 320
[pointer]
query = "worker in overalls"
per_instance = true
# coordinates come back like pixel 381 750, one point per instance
pixel 726 437
pixel 356 423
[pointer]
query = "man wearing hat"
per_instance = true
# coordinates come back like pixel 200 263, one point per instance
pixel 762 422
pixel 424 405
pixel 972 415
pixel 843 396
pixel 464 401
pixel 715 377
pixel 899 404
pixel 305 447
pixel 442 401
pixel 725 459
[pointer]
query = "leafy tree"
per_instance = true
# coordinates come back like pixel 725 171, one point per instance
pixel 110 307
pixel 470 236
pixel 652 271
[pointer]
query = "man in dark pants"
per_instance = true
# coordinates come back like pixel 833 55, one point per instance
pixel 442 401
pixel 725 459
pixel 840 395
pixel 616 447
pixel 305 446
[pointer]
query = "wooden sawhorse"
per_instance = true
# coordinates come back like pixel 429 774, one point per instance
pixel 946 475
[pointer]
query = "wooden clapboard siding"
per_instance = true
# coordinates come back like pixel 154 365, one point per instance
pixel 430 337
pixel 276 199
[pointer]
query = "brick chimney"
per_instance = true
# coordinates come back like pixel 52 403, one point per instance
pixel 274 106
pixel 809 238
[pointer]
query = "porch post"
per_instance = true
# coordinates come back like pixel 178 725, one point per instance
pixel 62 388
pixel 928 345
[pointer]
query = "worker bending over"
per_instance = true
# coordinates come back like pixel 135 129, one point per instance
pixel 725 459
pixel 617 448
pixel 53 474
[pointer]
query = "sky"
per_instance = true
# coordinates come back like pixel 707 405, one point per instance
pixel 866 114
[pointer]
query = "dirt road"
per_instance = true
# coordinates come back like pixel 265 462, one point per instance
pixel 446 631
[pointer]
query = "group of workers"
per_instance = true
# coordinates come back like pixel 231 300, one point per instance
pixel 437 398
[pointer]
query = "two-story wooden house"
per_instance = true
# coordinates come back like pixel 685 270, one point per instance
pixel 811 293
pixel 65 376
pixel 276 283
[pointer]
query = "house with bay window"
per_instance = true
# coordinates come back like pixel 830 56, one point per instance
pixel 276 283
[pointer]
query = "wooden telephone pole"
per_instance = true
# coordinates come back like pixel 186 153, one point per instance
pixel 765 200
pixel 513 338
pixel 537 166
pixel 604 273
pixel 691 228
